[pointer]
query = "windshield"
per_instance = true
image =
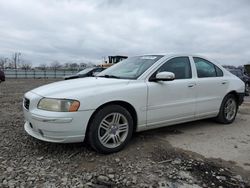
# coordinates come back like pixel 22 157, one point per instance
pixel 86 70
pixel 130 68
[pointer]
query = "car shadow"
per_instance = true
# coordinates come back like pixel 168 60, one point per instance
pixel 59 150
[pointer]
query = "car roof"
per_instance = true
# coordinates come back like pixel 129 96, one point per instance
pixel 175 54
pixel 170 54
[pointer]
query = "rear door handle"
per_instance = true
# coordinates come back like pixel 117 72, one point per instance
pixel 224 82
pixel 191 85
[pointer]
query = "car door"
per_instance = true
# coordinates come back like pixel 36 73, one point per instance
pixel 211 87
pixel 172 101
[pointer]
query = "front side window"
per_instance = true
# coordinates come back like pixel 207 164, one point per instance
pixel 206 69
pixel 180 66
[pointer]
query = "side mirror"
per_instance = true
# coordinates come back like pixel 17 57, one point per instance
pixel 164 76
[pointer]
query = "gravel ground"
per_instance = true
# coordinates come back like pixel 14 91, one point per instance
pixel 148 161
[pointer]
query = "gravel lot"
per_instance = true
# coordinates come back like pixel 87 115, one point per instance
pixel 199 154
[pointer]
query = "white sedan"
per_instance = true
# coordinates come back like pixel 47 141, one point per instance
pixel 139 93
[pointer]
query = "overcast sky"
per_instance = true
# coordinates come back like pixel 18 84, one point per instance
pixel 48 30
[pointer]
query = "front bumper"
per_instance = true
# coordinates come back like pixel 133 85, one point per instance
pixel 49 136
pixel 59 127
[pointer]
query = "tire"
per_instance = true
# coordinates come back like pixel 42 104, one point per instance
pixel 111 129
pixel 228 109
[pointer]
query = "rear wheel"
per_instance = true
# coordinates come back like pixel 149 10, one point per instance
pixel 228 109
pixel 110 129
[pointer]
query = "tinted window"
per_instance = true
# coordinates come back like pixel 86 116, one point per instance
pixel 206 68
pixel 98 70
pixel 180 66
pixel 218 71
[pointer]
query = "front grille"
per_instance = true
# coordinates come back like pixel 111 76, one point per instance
pixel 26 103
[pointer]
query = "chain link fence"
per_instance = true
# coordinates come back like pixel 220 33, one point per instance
pixel 17 73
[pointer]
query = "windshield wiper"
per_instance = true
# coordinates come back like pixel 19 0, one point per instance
pixel 109 76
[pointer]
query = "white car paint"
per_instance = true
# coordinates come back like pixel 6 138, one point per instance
pixel 156 104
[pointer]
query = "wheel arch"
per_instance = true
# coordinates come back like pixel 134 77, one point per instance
pixel 238 96
pixel 124 104
pixel 233 92
pixel 221 115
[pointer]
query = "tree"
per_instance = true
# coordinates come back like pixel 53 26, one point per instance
pixel 25 64
pixel 90 64
pixel 73 66
pixel 229 66
pixel 16 59
pixel 82 65
pixel 66 65
pixel 42 66
pixel 55 65
pixel 3 62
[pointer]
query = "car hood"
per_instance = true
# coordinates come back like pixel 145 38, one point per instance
pixel 67 88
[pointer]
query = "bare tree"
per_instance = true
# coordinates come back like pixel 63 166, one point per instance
pixel 16 59
pixel 229 66
pixel 42 66
pixel 71 66
pixel 66 65
pixel 90 64
pixel 25 64
pixel 83 65
pixel 74 66
pixel 55 65
pixel 3 62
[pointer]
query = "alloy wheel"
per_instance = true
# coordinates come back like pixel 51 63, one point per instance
pixel 230 109
pixel 113 130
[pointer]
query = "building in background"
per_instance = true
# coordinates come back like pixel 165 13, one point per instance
pixel 113 60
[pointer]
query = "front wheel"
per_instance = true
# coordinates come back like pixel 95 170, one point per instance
pixel 110 129
pixel 228 109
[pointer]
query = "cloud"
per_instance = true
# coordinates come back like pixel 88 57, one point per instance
pixel 48 30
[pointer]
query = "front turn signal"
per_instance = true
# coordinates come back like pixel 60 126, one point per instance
pixel 74 106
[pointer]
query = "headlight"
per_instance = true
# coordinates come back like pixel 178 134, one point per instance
pixel 59 105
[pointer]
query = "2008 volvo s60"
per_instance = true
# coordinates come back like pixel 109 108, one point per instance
pixel 139 93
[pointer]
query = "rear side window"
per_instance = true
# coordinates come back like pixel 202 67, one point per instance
pixel 219 72
pixel 206 69
pixel 180 66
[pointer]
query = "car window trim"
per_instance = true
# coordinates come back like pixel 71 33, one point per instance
pixel 212 64
pixel 190 66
